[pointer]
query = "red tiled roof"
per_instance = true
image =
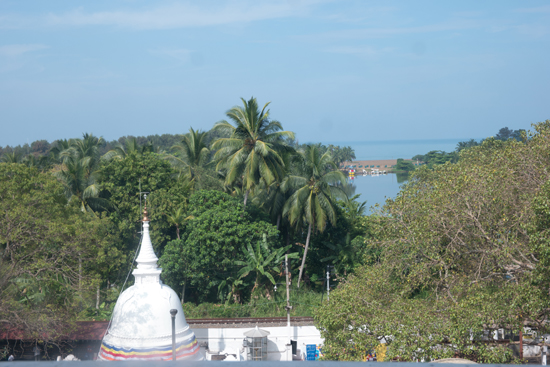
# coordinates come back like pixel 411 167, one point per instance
pixel 89 330
pixel 85 330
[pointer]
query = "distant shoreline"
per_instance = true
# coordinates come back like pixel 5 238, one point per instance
pixel 369 163
pixel 393 149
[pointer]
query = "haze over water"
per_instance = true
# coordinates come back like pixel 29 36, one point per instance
pixel 393 149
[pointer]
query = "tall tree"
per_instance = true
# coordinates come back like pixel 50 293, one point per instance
pixel 191 152
pixel 79 171
pixel 272 197
pixel 60 150
pixel 210 244
pixel 466 144
pixel 87 150
pixel 177 217
pixel 42 240
pixel 464 251
pixel 131 145
pixel 11 157
pixel 252 147
pixel 121 183
pixel 41 161
pixel 81 184
pixel 341 154
pixel 317 188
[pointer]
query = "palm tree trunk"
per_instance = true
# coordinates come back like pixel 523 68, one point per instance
pixel 305 253
pixel 289 281
pixel 288 236
pixel 246 197
pixel 278 221
pixel 178 231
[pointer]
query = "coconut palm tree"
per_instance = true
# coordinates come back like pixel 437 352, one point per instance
pixel 252 146
pixel 272 197
pixel 87 150
pixel 130 146
pixel 178 217
pixel 82 186
pixel 79 171
pixel 191 152
pixel 316 189
pixel 11 158
pixel 40 162
pixel 60 150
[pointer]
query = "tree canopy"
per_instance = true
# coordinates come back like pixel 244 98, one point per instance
pixel 253 146
pixel 213 240
pixel 51 255
pixel 461 254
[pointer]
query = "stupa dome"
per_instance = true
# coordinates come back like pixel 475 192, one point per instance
pixel 141 325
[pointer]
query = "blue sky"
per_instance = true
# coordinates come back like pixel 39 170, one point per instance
pixel 333 70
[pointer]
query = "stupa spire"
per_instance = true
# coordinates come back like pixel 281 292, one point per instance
pixel 147 270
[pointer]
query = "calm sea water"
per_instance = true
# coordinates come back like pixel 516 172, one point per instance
pixel 376 189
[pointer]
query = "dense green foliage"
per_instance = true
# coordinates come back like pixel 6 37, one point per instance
pixel 462 251
pixel 122 181
pixel 303 302
pixel 505 133
pixel 52 256
pixel 436 157
pixel 440 157
pixel 403 165
pixel 212 241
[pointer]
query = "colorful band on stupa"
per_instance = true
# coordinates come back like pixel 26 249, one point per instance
pixel 183 350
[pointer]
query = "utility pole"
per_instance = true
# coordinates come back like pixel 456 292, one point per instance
pixel 328 282
pixel 288 308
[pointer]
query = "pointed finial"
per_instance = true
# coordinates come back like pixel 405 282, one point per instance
pixel 145 215
pixel 145 212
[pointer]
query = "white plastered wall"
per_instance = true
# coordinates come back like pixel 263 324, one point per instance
pixel 230 340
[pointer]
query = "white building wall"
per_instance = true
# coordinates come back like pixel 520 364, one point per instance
pixel 230 340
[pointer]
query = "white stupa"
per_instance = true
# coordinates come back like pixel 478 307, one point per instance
pixel 141 325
